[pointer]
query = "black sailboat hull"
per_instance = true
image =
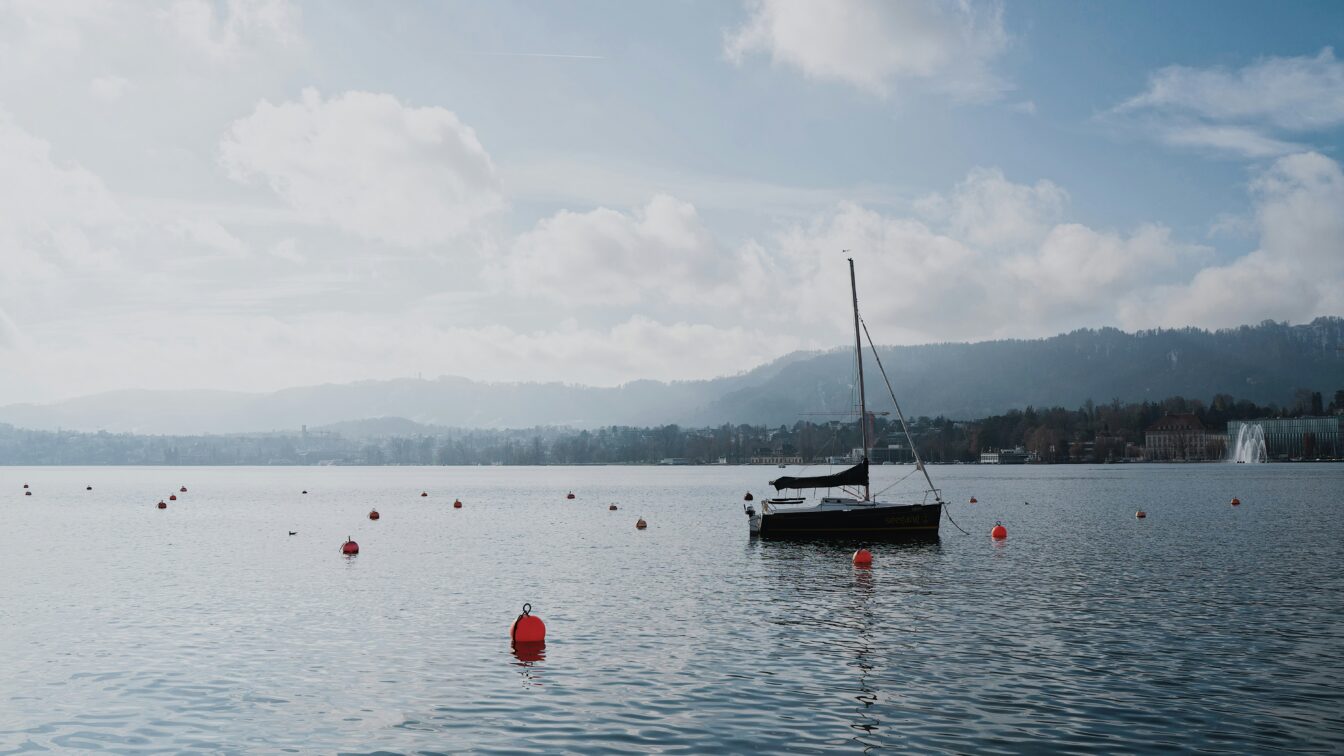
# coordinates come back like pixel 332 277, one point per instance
pixel 913 521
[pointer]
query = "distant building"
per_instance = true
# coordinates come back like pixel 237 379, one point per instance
pixel 1018 456
pixel 1183 438
pixel 777 459
pixel 1297 437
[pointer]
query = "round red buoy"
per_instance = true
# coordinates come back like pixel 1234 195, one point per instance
pixel 163 504
pixel 863 557
pixel 640 524
pixel 528 628
pixel 424 493
pixel 373 514
pixel 183 489
pixel 748 497
pixel 349 547
pixel 999 531
pixel 172 497
pixel 972 499
pixel 1236 502
pixel 569 495
pixel 457 503
pixel 1140 514
pixel 611 508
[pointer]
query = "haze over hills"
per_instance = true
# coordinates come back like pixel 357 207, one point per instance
pixel 1264 363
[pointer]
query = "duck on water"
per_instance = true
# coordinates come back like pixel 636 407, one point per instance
pixel 857 513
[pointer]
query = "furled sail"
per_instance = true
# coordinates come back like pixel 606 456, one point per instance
pixel 854 476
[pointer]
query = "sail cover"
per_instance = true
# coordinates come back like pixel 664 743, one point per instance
pixel 854 476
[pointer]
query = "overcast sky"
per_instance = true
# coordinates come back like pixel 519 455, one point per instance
pixel 256 194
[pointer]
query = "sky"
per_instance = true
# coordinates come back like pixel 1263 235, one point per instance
pixel 257 194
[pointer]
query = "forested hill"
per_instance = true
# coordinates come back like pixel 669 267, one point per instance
pixel 1266 364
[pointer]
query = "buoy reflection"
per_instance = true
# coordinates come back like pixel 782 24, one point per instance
pixel 530 651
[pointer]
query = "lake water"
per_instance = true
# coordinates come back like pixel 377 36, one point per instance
pixel 207 627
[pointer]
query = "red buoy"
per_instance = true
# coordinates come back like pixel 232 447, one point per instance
pixel 972 499
pixel 528 628
pixel 183 489
pixel 457 503
pixel 640 524
pixel 999 531
pixel 1236 502
pixel 748 497
pixel 424 493
pixel 173 497
pixel 373 514
pixel 863 558
pixel 163 504
pixel 1140 514
pixel 611 508
pixel 349 547
pixel 569 495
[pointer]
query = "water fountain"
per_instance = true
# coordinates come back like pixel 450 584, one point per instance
pixel 1249 447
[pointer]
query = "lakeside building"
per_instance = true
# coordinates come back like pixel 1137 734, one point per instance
pixel 1297 437
pixel 1018 456
pixel 777 459
pixel 1183 438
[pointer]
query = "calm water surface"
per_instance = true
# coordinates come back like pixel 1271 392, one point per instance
pixel 206 627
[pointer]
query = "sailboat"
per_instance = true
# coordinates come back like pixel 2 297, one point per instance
pixel 856 513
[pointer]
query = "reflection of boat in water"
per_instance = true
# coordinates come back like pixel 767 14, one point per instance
pixel 851 515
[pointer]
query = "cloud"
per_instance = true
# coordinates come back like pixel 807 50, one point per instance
pixel 988 210
pixel 1239 140
pixel 951 278
pixel 108 88
pixel 1297 271
pixel 242 26
pixel 606 258
pixel 57 215
pixel 1297 94
pixel 369 165
pixel 1246 111
pixel 1004 252
pixel 10 336
pixel 879 46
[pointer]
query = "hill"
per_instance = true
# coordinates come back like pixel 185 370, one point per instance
pixel 1265 363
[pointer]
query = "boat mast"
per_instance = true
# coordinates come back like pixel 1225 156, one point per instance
pixel 858 355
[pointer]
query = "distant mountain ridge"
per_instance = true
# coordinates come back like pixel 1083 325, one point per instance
pixel 1264 363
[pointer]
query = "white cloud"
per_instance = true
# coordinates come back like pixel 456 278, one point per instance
pixel 56 215
pixel 10 336
pixel 242 26
pixel 1296 273
pixel 208 233
pixel 956 280
pixel 1238 140
pixel 369 165
pixel 879 46
pixel 108 88
pixel 1298 94
pixel 1246 111
pixel 606 258
pixel 990 211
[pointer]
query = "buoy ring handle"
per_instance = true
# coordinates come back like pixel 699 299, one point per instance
pixel 527 609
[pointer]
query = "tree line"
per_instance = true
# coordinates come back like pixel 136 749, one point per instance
pixel 1090 433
